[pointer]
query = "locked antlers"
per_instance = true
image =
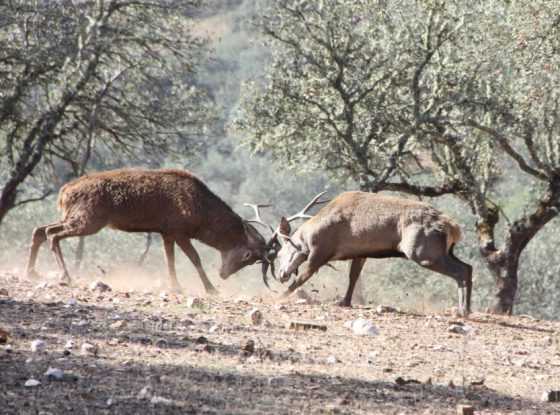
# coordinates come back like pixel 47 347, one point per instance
pixel 273 245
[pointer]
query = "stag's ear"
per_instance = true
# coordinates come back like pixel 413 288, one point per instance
pixel 284 227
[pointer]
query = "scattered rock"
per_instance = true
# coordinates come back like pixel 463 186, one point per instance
pixel 120 324
pixel 145 393
pixel 89 349
pixel 459 328
pixel 99 286
pixel 70 344
pixel 80 323
pixel 201 340
pixel 551 396
pixel 204 348
pixel 256 316
pixel 193 302
pixel 72 302
pixel 54 373
pixel 479 382
pixel 362 327
pixel 331 360
pixel 215 328
pixel 248 348
pixel 42 286
pixel 3 292
pixel 164 297
pixel 30 383
pixel 3 336
pixel 465 410
pixel 38 346
pixel 401 381
pixel 306 325
pixel 160 400
pixel 382 309
pixel 161 343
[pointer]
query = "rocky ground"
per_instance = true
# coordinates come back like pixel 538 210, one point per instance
pixel 97 349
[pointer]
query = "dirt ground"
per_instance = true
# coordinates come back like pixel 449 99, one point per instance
pixel 152 352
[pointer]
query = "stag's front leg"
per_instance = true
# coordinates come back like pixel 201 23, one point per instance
pixel 298 282
pixel 169 250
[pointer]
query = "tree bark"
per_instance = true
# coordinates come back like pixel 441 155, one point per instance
pixel 504 263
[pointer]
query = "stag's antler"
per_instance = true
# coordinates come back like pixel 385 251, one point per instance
pixel 302 214
pixel 258 219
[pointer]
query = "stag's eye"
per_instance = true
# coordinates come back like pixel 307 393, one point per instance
pixel 247 256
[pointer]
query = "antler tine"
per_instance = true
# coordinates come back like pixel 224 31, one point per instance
pixel 302 214
pixel 258 219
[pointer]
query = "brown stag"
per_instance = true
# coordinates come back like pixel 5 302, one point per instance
pixel 358 225
pixel 173 203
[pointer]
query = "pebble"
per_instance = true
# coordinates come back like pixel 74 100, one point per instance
pixel 256 316
pixel 38 346
pixel 145 393
pixel 331 360
pixel 30 383
pixel 54 373
pixel 362 327
pixel 459 329
pixel 160 400
pixel 89 349
pixel 99 286
pixel 193 302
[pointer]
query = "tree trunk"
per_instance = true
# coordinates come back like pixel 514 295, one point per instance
pixel 504 262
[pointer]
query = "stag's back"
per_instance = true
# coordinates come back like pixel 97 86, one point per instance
pixel 138 200
pixel 357 222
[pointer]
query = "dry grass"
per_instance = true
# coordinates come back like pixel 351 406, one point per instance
pixel 146 340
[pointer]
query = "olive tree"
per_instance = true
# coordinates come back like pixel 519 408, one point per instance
pixel 425 97
pixel 94 79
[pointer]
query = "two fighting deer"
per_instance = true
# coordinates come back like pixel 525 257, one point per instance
pixel 353 226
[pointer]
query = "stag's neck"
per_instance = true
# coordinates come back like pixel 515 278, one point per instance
pixel 223 229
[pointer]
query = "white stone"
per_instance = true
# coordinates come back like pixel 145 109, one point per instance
pixel 193 302
pixel 89 349
pixel 362 327
pixel 70 344
pixel 30 383
pixel 38 346
pixel 160 400
pixel 331 360
pixel 256 316
pixel 54 373
pixel 145 393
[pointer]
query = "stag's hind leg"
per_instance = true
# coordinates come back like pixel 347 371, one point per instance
pixel 39 236
pixel 188 249
pixel 429 250
pixel 66 229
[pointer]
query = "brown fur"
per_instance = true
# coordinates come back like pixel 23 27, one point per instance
pixel 358 225
pixel 171 202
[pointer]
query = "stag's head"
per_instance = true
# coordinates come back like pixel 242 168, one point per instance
pixel 253 249
pixel 280 240
pixel 292 253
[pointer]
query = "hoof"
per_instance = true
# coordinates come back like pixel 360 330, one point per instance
pixel 344 303
pixel 176 289
pixel 212 291
pixel 33 275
